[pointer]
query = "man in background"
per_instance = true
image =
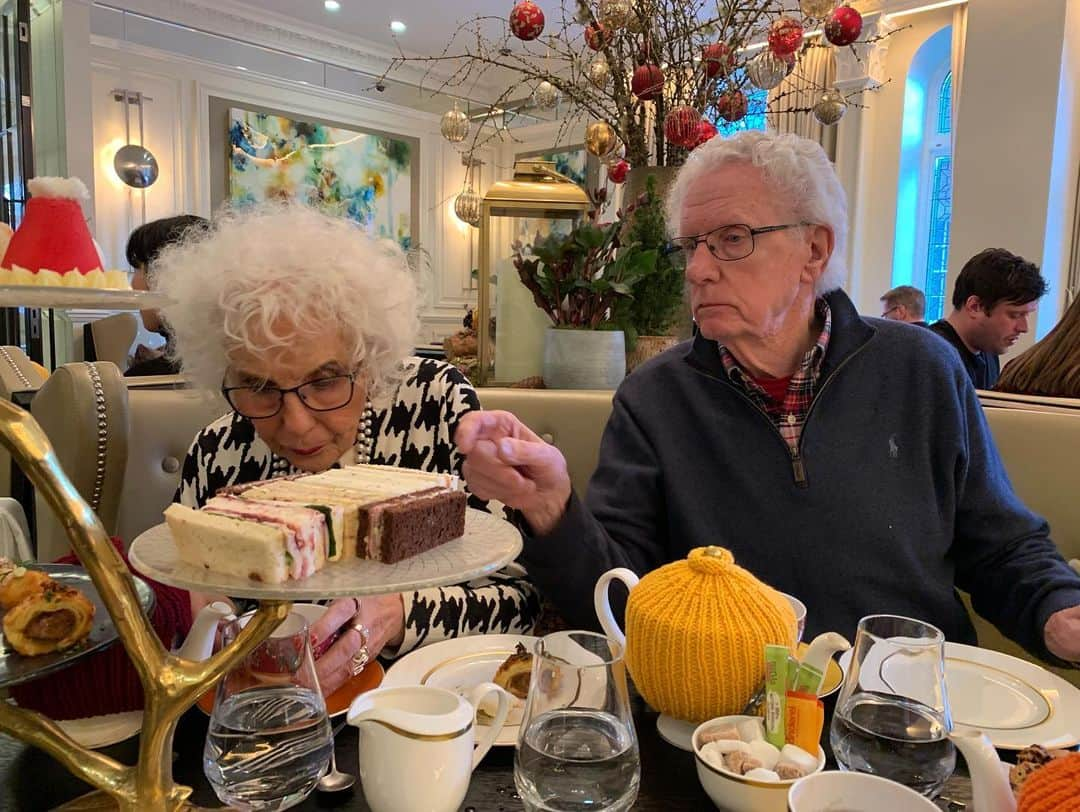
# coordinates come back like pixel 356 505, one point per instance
pixel 904 303
pixel 996 294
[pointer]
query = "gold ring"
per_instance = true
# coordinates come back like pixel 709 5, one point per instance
pixel 361 658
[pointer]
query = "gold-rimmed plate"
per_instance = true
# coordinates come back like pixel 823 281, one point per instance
pixel 460 664
pixel 1016 703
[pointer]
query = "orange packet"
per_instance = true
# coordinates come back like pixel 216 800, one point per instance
pixel 804 721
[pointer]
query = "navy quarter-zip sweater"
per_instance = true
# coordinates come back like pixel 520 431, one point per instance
pixel 896 496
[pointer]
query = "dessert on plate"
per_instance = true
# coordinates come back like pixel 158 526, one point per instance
pixel 42 616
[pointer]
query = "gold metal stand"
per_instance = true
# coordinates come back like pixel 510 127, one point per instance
pixel 171 685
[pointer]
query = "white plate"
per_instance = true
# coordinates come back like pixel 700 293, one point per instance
pixel 489 543
pixel 460 664
pixel 101 731
pixel 1016 703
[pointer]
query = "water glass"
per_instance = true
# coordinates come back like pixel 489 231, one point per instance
pixel 892 717
pixel 576 747
pixel 269 740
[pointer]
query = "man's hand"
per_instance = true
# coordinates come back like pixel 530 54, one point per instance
pixel 504 460
pixel 1062 634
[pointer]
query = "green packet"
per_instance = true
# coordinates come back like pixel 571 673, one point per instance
pixel 779 674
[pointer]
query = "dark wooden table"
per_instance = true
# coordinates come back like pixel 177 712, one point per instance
pixel 31 780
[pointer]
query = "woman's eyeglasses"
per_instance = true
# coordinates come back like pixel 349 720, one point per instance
pixel 727 242
pixel 320 395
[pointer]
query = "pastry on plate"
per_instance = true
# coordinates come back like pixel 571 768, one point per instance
pixel 54 618
pixel 514 673
pixel 18 583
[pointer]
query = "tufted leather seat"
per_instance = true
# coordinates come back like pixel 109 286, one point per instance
pixel 121 441
pixel 111 339
pixel 20 378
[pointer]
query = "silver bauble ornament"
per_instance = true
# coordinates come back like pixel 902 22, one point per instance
pixel 546 95
pixel 830 108
pixel 817 9
pixel 467 206
pixel 614 14
pixel 454 125
pixel 598 72
pixel 614 155
pixel 766 70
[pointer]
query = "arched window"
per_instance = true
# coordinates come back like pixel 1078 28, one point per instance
pixel 924 189
pixel 944 106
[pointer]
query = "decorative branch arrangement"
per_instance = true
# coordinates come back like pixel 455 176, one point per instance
pixel 651 77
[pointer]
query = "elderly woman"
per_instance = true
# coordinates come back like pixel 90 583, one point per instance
pixel 306 325
pixel 844 460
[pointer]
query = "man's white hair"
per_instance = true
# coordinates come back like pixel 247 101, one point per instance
pixel 237 284
pixel 799 172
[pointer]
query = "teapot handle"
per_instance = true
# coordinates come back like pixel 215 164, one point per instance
pixel 476 696
pixel 602 602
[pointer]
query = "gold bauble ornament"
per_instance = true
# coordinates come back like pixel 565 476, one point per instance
pixel 454 125
pixel 614 14
pixel 817 9
pixel 598 72
pixel 830 108
pixel 546 95
pixel 467 206
pixel 600 138
pixel 640 13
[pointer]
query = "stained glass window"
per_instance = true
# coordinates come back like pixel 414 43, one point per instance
pixel 937 253
pixel 944 105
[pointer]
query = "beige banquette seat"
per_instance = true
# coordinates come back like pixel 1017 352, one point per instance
pixel 20 378
pixel 150 424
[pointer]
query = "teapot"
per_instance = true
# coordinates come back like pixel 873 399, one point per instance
pixel 199 644
pixel 989 776
pixel 417 745
pixel 696 632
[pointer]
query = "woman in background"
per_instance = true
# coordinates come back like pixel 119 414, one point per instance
pixel 1050 367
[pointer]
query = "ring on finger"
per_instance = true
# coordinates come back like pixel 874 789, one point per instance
pixel 361 658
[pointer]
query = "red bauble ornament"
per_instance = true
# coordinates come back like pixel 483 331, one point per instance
pixel 681 126
pixel 617 173
pixel 526 20
pixel 732 105
pixel 843 26
pixel 596 36
pixel 648 81
pixel 717 57
pixel 706 130
pixel 785 36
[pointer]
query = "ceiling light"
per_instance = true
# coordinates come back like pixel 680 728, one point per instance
pixel 332 5
pixel 397 26
pixel 240 67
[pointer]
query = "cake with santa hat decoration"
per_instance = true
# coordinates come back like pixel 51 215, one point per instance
pixel 52 246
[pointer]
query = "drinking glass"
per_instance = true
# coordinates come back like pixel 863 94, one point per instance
pixel 269 740
pixel 892 717
pixel 576 748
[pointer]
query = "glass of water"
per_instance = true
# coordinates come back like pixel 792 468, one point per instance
pixel 892 716
pixel 576 747
pixel 269 740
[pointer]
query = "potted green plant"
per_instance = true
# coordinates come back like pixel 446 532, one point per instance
pixel 579 280
pixel 658 303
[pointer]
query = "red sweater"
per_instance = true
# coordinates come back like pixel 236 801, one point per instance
pixel 106 681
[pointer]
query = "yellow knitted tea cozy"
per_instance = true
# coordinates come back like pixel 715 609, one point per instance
pixel 696 632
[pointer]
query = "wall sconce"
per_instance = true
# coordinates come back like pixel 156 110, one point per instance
pixel 134 164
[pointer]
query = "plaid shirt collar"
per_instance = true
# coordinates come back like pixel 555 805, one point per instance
pixel 800 390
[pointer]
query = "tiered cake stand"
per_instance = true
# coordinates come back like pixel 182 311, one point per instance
pixel 171 684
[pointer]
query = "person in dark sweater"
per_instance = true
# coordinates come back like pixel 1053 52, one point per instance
pixel 143 247
pixel 994 296
pixel 844 460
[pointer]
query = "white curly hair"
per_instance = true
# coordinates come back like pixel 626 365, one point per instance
pixel 234 285
pixel 795 167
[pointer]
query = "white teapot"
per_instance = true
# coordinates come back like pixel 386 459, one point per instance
pixel 989 776
pixel 417 745
pixel 199 644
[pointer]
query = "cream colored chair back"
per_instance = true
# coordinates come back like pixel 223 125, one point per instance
pixel 110 338
pixel 571 420
pixel 18 375
pixel 122 442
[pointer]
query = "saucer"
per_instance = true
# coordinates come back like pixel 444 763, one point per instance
pixel 101 731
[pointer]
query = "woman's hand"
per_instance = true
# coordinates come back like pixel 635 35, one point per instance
pixel 382 615
pixel 505 460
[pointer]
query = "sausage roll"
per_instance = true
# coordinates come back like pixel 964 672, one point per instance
pixel 53 619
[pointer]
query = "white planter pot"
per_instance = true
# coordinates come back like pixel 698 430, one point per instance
pixel 584 359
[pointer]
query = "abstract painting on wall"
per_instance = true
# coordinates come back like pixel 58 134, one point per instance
pixel 362 176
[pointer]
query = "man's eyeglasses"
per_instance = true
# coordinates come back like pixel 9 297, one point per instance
pixel 885 315
pixel 320 395
pixel 727 242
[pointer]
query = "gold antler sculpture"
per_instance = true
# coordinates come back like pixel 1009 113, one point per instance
pixel 170 684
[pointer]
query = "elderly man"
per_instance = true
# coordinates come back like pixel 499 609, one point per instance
pixel 843 460
pixel 904 303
